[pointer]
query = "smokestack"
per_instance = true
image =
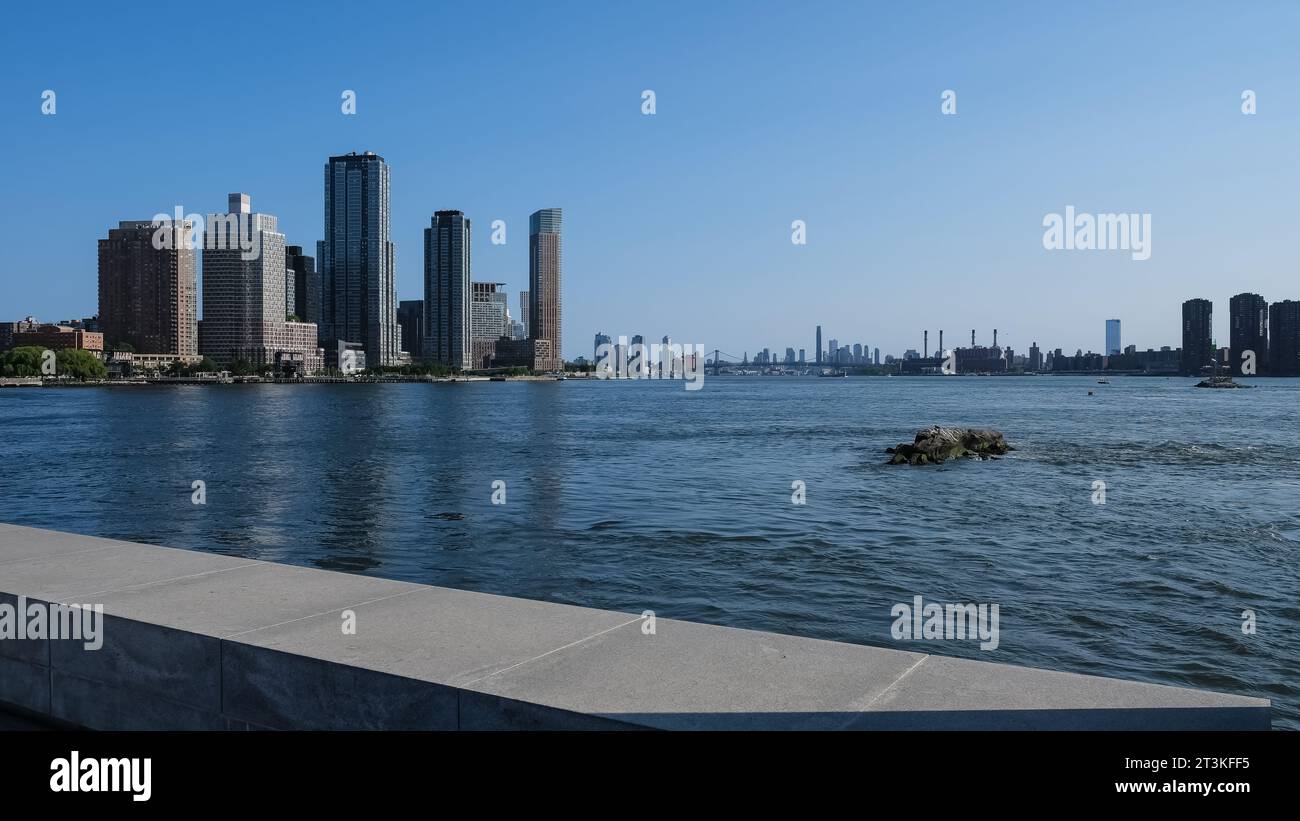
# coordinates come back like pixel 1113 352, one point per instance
pixel 926 347
pixel 941 350
pixel 995 337
pixel 972 337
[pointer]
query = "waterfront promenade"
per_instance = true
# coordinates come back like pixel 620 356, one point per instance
pixel 197 640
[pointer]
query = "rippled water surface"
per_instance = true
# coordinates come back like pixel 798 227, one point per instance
pixel 641 495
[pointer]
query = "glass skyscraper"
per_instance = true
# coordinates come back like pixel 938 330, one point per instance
pixel 447 290
pixel 1113 346
pixel 359 300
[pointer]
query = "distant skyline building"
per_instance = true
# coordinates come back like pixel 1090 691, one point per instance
pixel 819 345
pixel 1198 337
pixel 1248 331
pixel 601 339
pixel 524 310
pixel 244 311
pixel 1284 338
pixel 545 272
pixel 410 315
pixel 1113 345
pixel 148 296
pixel 359 300
pixel 447 290
pixel 304 284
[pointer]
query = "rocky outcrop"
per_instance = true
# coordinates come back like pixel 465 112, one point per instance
pixel 937 444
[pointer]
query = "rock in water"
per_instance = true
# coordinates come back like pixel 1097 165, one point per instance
pixel 937 444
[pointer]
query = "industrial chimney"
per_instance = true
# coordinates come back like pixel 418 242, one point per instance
pixel 926 346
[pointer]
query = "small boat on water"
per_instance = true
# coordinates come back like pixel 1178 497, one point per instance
pixel 1219 381
pixel 834 374
pixel 1103 381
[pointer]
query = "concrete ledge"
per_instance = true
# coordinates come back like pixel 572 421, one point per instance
pixel 201 641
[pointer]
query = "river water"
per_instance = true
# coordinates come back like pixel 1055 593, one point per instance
pixel 643 495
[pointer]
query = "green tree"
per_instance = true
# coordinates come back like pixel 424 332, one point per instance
pixel 80 365
pixel 23 361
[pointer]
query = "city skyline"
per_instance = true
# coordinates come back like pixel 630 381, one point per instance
pixel 751 143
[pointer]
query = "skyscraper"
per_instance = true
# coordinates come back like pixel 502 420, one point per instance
pixel 447 292
pixel 1248 331
pixel 359 301
pixel 545 266
pixel 524 311
pixel 305 286
pixel 148 295
pixel 1284 338
pixel 244 312
pixel 410 315
pixel 819 345
pixel 488 322
pixel 1113 345
pixel 1198 344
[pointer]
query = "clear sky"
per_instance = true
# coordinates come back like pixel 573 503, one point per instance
pixel 679 223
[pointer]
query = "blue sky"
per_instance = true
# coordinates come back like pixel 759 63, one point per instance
pixel 679 223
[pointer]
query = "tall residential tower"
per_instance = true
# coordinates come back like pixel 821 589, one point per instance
pixel 1198 341
pixel 545 305
pixel 147 290
pixel 244 290
pixel 358 299
pixel 1248 331
pixel 447 290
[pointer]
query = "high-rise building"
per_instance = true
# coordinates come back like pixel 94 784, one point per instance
pixel 1035 358
pixel 524 310
pixel 1284 338
pixel 244 311
pixel 359 300
pixel 545 272
pixel 410 315
pixel 1248 331
pixel 819 345
pixel 1113 345
pixel 447 290
pixel 304 284
pixel 489 314
pixel 489 320
pixel 877 355
pixel 148 294
pixel 1198 344
pixel 601 339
